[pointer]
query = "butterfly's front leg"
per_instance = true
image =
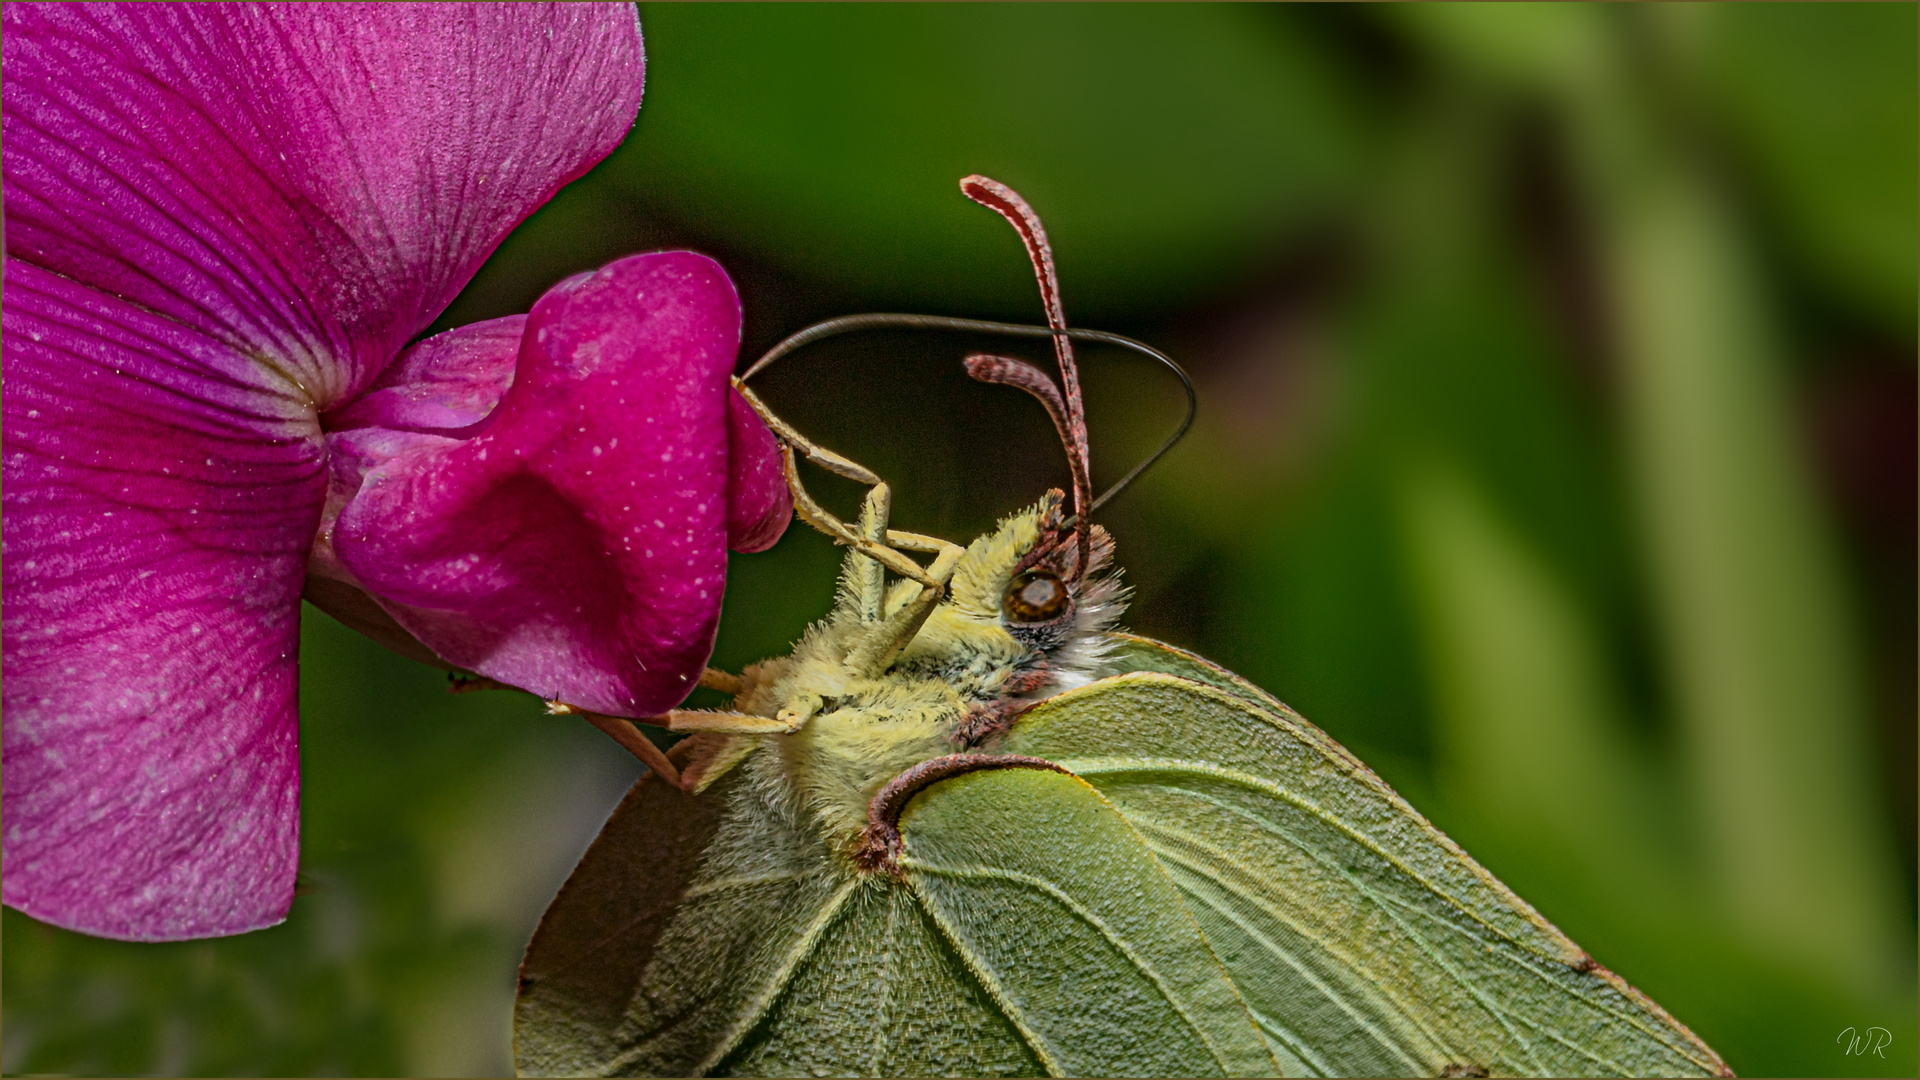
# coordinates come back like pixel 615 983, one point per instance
pixel 878 648
pixel 811 512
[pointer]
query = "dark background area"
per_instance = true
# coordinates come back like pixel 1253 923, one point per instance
pixel 1556 454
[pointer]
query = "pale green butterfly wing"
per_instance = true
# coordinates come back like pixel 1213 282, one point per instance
pixel 677 931
pixel 882 994
pixel 586 957
pixel 1237 874
pixel 1032 934
pixel 1074 928
pixel 1364 941
pixel 1131 652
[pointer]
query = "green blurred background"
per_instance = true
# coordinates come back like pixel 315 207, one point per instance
pixel 1556 454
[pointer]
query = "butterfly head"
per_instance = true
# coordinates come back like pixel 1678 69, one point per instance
pixel 1024 614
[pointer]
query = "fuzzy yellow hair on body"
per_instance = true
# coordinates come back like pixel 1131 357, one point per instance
pixel 860 731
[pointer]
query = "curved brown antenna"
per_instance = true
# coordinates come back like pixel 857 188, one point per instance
pixel 1007 202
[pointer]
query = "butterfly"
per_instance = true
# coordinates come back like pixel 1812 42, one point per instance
pixel 969 827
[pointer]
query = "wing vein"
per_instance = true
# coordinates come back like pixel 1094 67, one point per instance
pixel 1099 926
pixel 1015 1016
pixel 1400 911
pixel 1624 1016
pixel 764 1000
pixel 1292 1042
pixel 1395 913
pixel 1274 948
pixel 1115 766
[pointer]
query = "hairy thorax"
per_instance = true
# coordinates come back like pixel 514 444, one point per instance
pixel 953 687
pixel 862 731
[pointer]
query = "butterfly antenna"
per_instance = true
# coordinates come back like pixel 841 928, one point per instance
pixel 1007 202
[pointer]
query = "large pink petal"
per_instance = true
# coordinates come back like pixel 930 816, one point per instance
pixel 220 221
pixel 311 183
pixel 155 528
pixel 576 546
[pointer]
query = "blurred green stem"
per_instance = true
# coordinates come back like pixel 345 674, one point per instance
pixel 1756 631
pixel 1530 726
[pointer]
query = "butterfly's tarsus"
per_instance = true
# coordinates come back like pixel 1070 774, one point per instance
pixel 726 683
pixel 866 577
pixel 815 453
pixel 878 649
pixel 630 738
pixel 908 541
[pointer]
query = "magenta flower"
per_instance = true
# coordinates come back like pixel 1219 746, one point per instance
pixel 224 224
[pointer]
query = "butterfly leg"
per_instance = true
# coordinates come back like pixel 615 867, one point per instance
pixel 725 682
pixel 628 735
pixel 713 728
pixel 864 578
pixel 817 516
pixel 811 511
pixel 734 723
pixel 878 648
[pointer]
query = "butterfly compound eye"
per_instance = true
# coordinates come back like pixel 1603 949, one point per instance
pixel 1036 596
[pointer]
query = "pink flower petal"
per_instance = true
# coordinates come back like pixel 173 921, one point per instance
pixel 759 506
pixel 221 220
pixel 577 545
pixel 155 530
pixel 314 182
pixel 445 384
